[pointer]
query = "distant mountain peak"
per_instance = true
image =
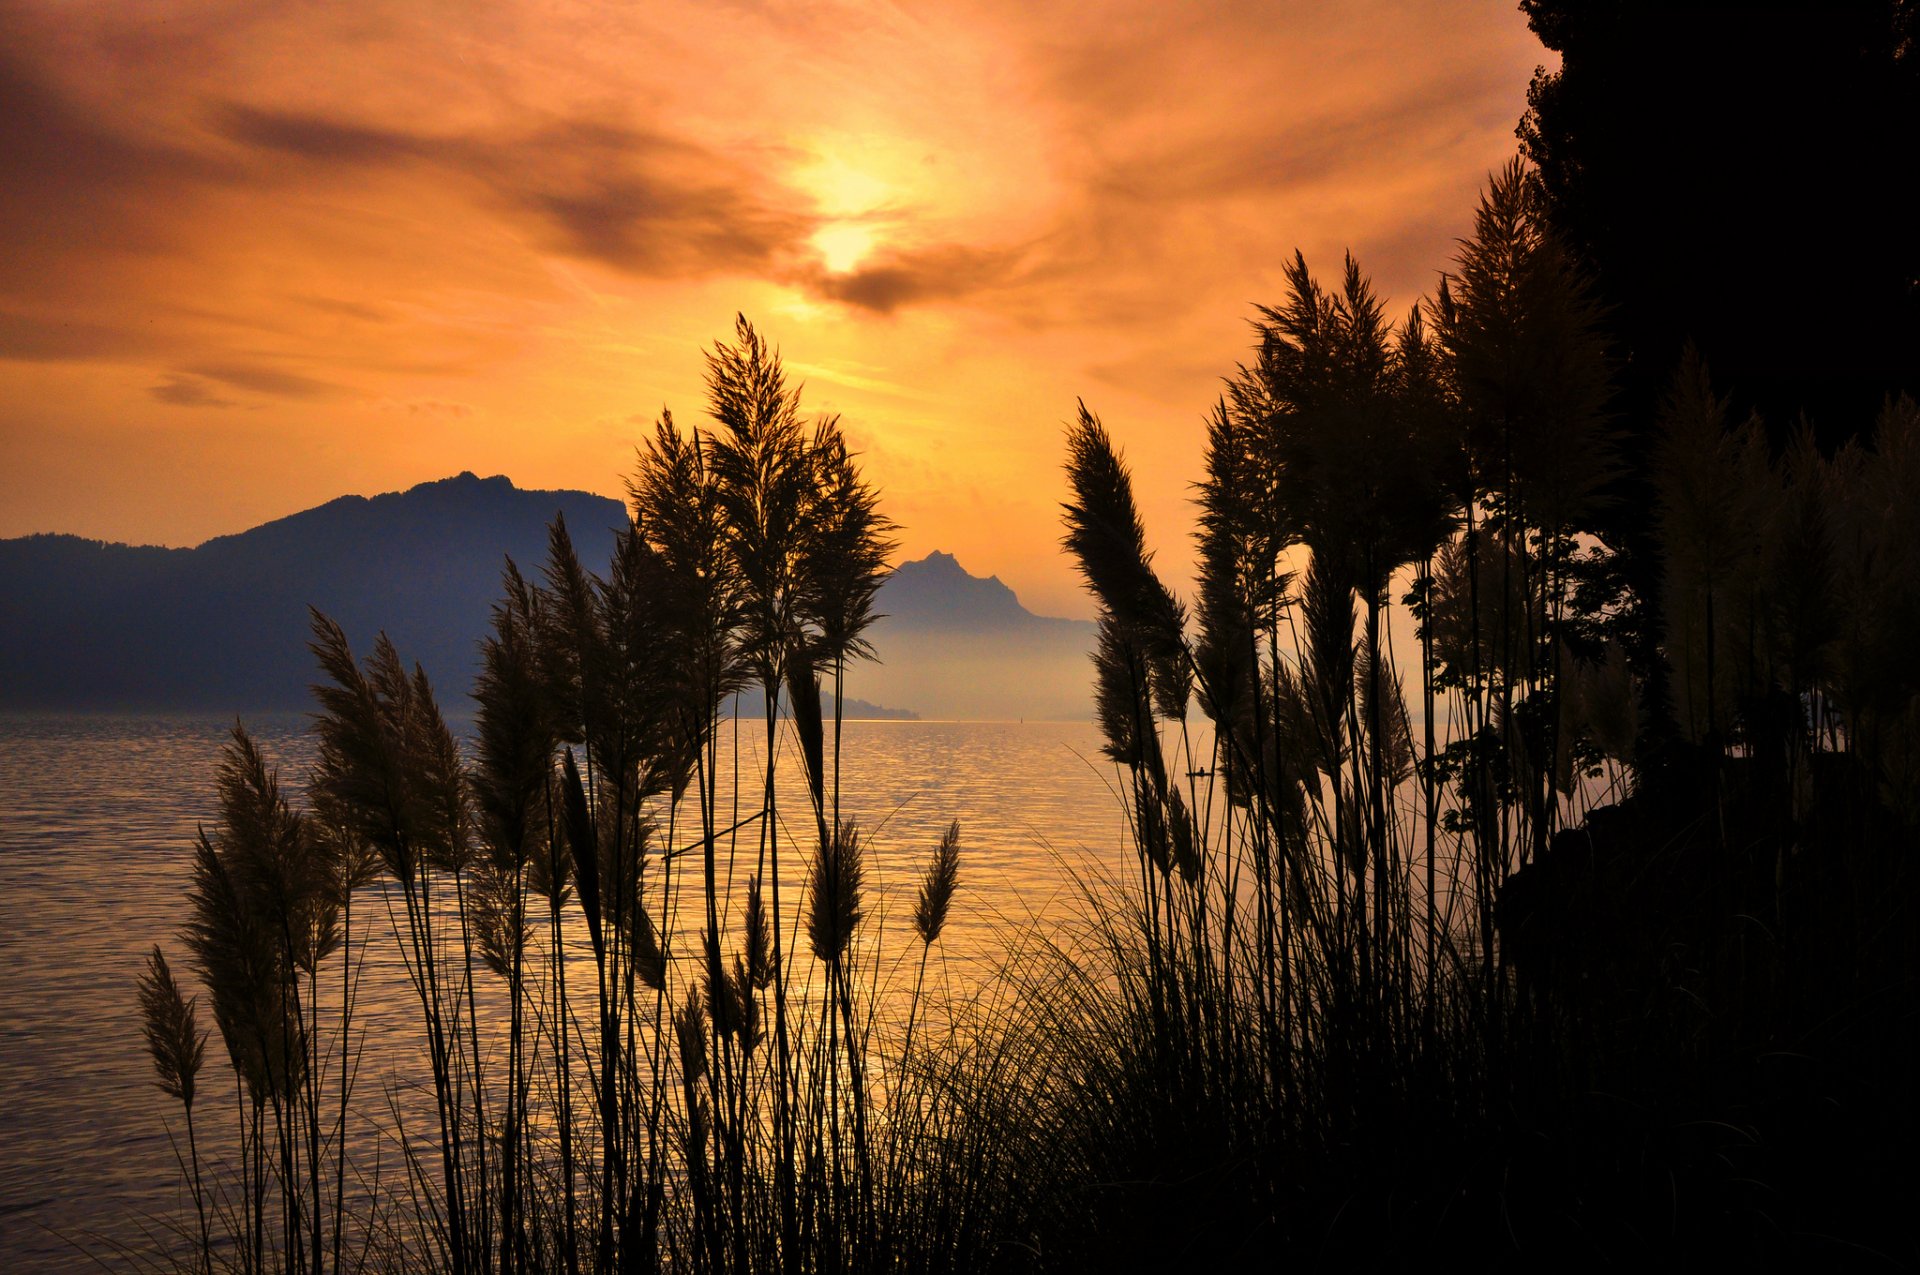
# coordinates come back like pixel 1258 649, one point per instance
pixel 941 564
pixel 937 592
pixel 467 478
pixel 954 644
pixel 944 570
pixel 224 626
pixel 466 482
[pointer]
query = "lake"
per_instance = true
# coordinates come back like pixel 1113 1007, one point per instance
pixel 97 816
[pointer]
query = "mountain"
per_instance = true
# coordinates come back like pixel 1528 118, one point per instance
pixel 86 625
pixel 956 645
pixel 937 593
pixel 224 627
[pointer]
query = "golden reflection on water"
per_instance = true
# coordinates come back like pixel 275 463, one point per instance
pixel 96 817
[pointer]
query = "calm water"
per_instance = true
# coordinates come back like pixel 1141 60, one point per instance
pixel 96 819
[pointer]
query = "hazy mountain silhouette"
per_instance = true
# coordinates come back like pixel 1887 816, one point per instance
pixel 223 627
pixel 959 645
pixel 936 592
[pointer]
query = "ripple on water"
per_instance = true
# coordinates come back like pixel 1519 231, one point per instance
pixel 97 815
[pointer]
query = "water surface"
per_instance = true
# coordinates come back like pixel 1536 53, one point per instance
pixel 97 816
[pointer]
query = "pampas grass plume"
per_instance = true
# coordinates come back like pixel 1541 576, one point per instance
pixel 833 894
pixel 171 1028
pixel 936 889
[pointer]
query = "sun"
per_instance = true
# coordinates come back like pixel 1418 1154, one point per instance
pixel 843 244
pixel 847 196
pixel 843 189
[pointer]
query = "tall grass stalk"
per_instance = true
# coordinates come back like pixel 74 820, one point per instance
pixel 1356 984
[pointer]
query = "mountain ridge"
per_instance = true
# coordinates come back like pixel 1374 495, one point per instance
pixel 919 594
pixel 90 624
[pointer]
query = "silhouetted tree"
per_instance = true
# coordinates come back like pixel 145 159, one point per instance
pixel 1733 176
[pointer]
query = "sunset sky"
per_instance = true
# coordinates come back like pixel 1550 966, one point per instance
pixel 255 256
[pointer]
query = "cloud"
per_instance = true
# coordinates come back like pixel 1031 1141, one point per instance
pixel 339 308
pixel 266 380
pixel 1196 151
pixel 322 141
pixel 638 200
pixel 543 210
pixel 187 391
pixel 52 338
pixel 921 276
pixel 1182 147
pixel 1282 156
pixel 429 407
pixel 1198 148
pixel 194 386
pixel 839 374
pixel 77 183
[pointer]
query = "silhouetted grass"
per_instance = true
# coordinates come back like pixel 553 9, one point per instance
pixel 1529 950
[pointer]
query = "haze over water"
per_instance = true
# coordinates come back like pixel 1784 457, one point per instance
pixel 97 816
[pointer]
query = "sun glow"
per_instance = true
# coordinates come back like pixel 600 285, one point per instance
pixel 847 196
pixel 843 244
pixel 841 189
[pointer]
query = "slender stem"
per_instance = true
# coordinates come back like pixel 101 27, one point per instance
pixel 199 1196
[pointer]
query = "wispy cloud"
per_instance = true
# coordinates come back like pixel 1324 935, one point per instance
pixel 514 228
pixel 266 380
pixel 187 391
pixel 42 337
pixel 902 278
pixel 631 198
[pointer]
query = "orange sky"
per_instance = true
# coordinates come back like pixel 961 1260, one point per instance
pixel 254 256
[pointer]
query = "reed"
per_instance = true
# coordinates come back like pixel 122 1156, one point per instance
pixel 178 1048
pixel 1368 974
pixel 674 1113
pixel 1396 963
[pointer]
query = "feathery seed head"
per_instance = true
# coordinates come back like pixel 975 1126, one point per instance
pixel 723 995
pixel 1150 827
pixel 690 1031
pixel 649 961
pixel 938 886
pixel 1186 847
pixel 758 941
pixel 583 841
pixel 1107 538
pixel 834 894
pixel 284 872
pixel 169 1024
pixel 744 1004
pixel 1122 703
pixel 497 907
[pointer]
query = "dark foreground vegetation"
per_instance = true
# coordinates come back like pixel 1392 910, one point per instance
pixel 1524 810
